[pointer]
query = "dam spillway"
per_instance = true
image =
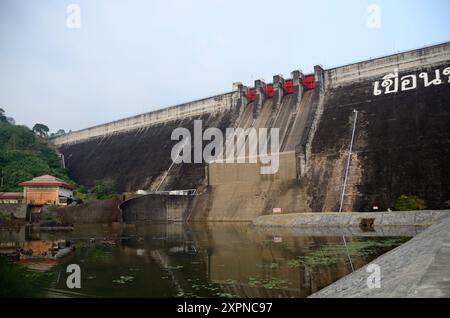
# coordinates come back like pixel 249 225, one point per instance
pixel 401 141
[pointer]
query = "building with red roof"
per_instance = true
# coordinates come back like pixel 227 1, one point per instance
pixel 11 197
pixel 47 190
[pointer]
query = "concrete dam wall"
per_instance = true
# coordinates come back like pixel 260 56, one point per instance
pixel 401 142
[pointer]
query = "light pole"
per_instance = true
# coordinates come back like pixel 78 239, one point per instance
pixel 348 161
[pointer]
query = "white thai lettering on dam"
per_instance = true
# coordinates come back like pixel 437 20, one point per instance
pixel 392 83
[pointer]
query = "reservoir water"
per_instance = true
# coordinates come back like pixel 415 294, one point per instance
pixel 188 260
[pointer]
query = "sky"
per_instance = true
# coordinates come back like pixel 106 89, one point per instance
pixel 72 69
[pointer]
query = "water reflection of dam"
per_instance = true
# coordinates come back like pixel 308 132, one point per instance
pixel 206 260
pixel 238 256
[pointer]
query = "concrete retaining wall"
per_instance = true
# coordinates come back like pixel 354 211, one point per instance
pixel 213 104
pixel 407 218
pixel 224 173
pixel 156 208
pixel 18 210
pixel 97 212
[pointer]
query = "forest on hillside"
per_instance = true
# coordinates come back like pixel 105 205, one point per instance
pixel 24 154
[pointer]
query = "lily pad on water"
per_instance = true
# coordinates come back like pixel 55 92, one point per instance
pixel 333 253
pixel 273 283
pixel 173 267
pixel 124 280
pixel 226 295
pixel 181 294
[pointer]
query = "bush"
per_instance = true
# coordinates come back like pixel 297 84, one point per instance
pixel 104 189
pixel 5 217
pixel 408 203
pixel 50 215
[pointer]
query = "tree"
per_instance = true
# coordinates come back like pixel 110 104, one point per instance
pixel 104 189
pixel 3 118
pixel 408 203
pixel 60 132
pixel 82 189
pixel 41 130
pixel 23 157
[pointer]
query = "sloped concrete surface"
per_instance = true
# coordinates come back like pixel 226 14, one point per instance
pixel 419 268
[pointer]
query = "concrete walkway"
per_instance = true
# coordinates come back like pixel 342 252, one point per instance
pixel 418 268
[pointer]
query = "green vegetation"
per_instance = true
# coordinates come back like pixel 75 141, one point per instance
pixel 19 281
pixel 23 156
pixel 5 217
pixel 4 119
pixel 332 254
pixel 409 203
pixel 41 130
pixel 273 283
pixel 124 280
pixel 50 215
pixel 168 267
pixel 103 190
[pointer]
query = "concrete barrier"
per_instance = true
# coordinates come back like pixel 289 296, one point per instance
pixel 19 211
pixel 404 218
pixel 156 208
pixel 97 212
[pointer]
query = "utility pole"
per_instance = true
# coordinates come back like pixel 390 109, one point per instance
pixel 348 161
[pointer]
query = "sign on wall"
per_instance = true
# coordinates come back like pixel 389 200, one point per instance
pixel 392 83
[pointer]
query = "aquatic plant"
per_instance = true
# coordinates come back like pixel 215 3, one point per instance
pixel 168 267
pixel 226 295
pixel 333 253
pixel 182 294
pixel 124 280
pixel 273 283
